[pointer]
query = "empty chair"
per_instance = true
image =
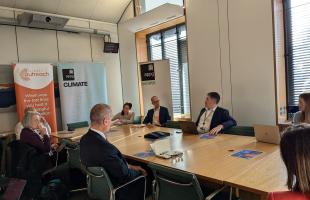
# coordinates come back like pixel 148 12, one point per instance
pixel 137 120
pixel 175 184
pixel 241 130
pixel 75 125
pixel 99 185
pixel 73 154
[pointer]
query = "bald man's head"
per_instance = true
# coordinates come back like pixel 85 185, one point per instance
pixel 99 113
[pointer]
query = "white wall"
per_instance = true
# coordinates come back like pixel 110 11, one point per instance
pixel 230 49
pixel 33 45
pixel 129 65
pixel 203 51
pixel 252 61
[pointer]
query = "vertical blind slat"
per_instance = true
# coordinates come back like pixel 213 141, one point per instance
pixel 298 48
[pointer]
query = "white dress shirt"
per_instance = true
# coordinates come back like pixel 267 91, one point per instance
pixel 205 120
pixel 156 116
pixel 100 133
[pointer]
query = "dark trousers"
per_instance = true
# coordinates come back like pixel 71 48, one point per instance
pixel 149 177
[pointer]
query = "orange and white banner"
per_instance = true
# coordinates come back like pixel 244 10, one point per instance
pixel 34 87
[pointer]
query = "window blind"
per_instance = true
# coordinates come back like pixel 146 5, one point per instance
pixel 171 44
pixel 297 25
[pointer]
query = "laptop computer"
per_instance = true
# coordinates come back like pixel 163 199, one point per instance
pixel 267 134
pixel 188 127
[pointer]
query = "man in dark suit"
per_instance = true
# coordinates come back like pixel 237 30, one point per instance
pixel 157 116
pixel 97 151
pixel 213 119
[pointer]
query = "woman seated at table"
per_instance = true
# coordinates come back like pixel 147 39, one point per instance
pixel 19 126
pixel 295 153
pixel 303 115
pixel 35 133
pixel 126 116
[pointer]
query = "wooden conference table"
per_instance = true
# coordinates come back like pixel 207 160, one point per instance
pixel 209 159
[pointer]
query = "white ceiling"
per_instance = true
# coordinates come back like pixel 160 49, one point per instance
pixel 101 10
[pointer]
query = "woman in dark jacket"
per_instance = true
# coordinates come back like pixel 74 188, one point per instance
pixel 35 133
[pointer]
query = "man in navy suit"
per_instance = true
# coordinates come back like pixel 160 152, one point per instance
pixel 213 119
pixel 97 151
pixel 157 116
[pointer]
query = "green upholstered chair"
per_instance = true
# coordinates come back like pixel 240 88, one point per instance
pixel 99 185
pixel 173 124
pixel 137 120
pixel 241 130
pixel 73 153
pixel 73 126
pixel 175 184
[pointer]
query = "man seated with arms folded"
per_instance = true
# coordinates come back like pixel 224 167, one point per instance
pixel 294 147
pixel 157 116
pixel 19 126
pixel 97 151
pixel 212 118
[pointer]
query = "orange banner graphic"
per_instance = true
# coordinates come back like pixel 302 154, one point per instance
pixel 34 87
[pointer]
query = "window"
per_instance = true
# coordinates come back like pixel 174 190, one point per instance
pixel 297 31
pixel 147 5
pixel 171 44
pixel 155 43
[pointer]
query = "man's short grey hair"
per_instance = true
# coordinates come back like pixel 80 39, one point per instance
pixel 27 120
pixel 100 112
pixel 153 97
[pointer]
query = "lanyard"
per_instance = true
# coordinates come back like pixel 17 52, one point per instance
pixel 207 116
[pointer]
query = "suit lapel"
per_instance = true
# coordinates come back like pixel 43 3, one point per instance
pixel 214 118
pixel 199 116
pixel 159 113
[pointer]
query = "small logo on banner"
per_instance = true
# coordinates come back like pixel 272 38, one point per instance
pixel 33 76
pixel 25 74
pixel 68 74
pixel 147 72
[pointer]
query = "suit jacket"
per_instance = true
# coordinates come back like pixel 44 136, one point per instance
pixel 163 116
pixel 31 138
pixel 220 116
pixel 95 151
pixel 288 196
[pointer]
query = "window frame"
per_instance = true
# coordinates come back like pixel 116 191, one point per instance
pixel 177 29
